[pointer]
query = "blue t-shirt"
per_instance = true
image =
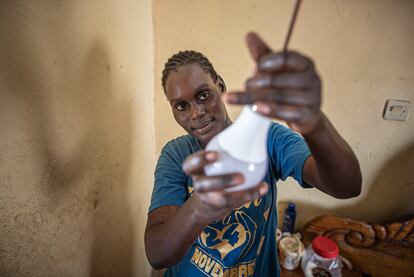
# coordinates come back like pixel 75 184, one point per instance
pixel 244 242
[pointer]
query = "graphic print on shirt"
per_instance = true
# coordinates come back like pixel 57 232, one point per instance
pixel 229 247
pixel 232 235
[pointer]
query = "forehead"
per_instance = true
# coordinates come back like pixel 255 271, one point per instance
pixel 186 80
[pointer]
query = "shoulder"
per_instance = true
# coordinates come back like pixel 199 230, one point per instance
pixel 281 135
pixel 185 140
pixel 182 144
pixel 179 148
pixel 278 130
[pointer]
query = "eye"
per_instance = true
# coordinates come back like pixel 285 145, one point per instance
pixel 203 95
pixel 181 106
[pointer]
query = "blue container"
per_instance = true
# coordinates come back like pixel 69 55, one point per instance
pixel 289 218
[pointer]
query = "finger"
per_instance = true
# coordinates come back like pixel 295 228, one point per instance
pixel 214 200
pixel 257 46
pixel 302 80
pixel 238 198
pixel 277 62
pixel 278 96
pixel 219 200
pixel 205 184
pixel 195 163
pixel 289 113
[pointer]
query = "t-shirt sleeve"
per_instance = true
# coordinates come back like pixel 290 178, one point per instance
pixel 169 180
pixel 288 153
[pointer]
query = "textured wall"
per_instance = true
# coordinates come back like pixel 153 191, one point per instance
pixel 77 137
pixel 77 111
pixel 363 50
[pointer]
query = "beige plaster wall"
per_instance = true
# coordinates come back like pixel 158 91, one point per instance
pixel 78 143
pixel 363 50
pixel 77 137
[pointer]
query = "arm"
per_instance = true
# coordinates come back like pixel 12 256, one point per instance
pixel 164 245
pixel 171 230
pixel 286 86
pixel 333 167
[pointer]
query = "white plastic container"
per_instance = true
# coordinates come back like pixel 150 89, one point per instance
pixel 242 148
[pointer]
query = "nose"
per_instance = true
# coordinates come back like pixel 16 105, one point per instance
pixel 197 111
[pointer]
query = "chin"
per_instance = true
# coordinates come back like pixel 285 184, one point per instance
pixel 204 140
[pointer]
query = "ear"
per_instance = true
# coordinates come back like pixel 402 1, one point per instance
pixel 221 84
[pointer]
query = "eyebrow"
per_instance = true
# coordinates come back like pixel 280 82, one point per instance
pixel 198 89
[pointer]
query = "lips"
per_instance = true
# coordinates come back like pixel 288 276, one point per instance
pixel 203 127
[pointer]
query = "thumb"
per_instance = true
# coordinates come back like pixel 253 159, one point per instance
pixel 258 48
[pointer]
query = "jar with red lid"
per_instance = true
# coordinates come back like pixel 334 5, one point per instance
pixel 321 259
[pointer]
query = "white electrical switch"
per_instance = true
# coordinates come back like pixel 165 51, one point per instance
pixel 396 110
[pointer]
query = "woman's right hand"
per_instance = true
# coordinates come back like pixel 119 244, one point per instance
pixel 211 201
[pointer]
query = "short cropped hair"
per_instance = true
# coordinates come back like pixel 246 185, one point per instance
pixel 185 58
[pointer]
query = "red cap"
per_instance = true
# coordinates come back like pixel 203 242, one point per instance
pixel 325 247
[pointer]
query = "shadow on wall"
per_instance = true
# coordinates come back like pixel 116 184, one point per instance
pixel 390 196
pixel 70 217
pixel 110 138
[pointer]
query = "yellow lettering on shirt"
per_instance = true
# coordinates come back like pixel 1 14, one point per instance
pixel 217 270
pixel 233 272
pixel 213 268
pixel 209 265
pixel 243 270
pixel 202 262
pixel 196 255
pixel 250 269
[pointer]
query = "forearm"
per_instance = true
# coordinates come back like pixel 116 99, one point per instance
pixel 168 242
pixel 337 167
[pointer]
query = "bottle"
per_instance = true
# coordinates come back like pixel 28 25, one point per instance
pixel 321 258
pixel 242 148
pixel 289 217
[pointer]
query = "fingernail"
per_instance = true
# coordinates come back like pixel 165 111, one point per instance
pixel 263 108
pixel 263 190
pixel 237 180
pixel 211 156
pixel 228 98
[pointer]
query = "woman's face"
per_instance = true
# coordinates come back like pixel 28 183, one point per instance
pixel 196 102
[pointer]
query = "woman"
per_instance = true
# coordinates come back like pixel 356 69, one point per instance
pixel 210 231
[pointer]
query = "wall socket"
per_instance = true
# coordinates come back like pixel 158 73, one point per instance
pixel 396 110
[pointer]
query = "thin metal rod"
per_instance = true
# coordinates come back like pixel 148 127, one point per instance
pixel 292 24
